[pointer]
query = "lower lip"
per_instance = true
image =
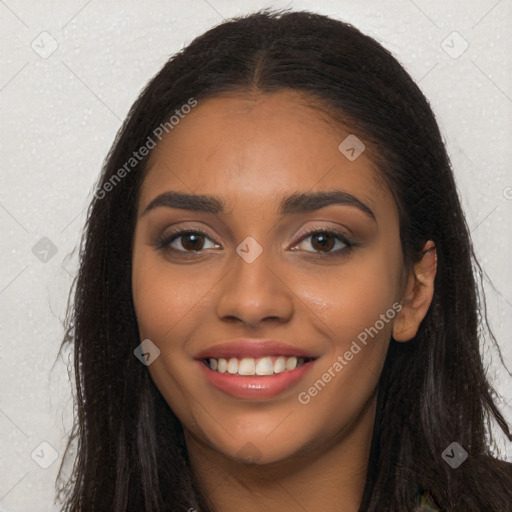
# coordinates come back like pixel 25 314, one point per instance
pixel 255 386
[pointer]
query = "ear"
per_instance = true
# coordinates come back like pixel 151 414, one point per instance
pixel 417 295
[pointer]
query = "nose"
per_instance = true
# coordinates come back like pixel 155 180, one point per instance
pixel 254 292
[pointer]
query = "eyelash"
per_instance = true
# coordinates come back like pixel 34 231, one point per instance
pixel 164 241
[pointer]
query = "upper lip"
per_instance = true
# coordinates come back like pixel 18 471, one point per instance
pixel 255 347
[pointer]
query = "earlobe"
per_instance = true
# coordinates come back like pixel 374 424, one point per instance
pixel 417 295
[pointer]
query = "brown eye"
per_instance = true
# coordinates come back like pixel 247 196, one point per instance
pixel 185 242
pixel 192 241
pixel 322 241
pixel 326 242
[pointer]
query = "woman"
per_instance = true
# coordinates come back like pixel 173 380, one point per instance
pixel 276 307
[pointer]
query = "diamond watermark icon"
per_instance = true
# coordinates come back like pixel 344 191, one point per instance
pixel 249 453
pixel 147 352
pixel 351 147
pixel 44 45
pixel 454 455
pixel 249 249
pixel 44 250
pixel 454 45
pixel 44 455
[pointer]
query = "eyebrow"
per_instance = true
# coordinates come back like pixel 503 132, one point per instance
pixel 299 202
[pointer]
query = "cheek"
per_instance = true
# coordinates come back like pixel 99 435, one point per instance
pixel 356 311
pixel 164 295
pixel 352 297
pixel 358 321
pixel 164 304
pixel 169 301
pixel 345 378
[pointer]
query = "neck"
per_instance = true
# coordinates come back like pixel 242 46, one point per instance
pixel 330 477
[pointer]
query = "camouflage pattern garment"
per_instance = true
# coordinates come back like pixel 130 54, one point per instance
pixel 425 503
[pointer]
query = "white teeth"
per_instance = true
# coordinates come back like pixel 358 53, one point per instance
pixel 222 365
pixel 233 365
pixel 280 365
pixel 246 366
pixel 251 366
pixel 264 366
pixel 291 363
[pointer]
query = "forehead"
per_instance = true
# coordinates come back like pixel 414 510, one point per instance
pixel 256 148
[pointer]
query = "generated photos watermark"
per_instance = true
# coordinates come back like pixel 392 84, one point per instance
pixel 146 352
pixel 304 397
pixel 144 150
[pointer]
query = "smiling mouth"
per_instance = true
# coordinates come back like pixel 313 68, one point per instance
pixel 249 366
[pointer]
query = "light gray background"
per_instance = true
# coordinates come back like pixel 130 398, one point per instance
pixel 60 114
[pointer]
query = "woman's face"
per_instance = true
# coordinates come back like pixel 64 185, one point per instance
pixel 263 282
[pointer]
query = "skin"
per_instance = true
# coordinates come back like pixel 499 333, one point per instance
pixel 251 150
